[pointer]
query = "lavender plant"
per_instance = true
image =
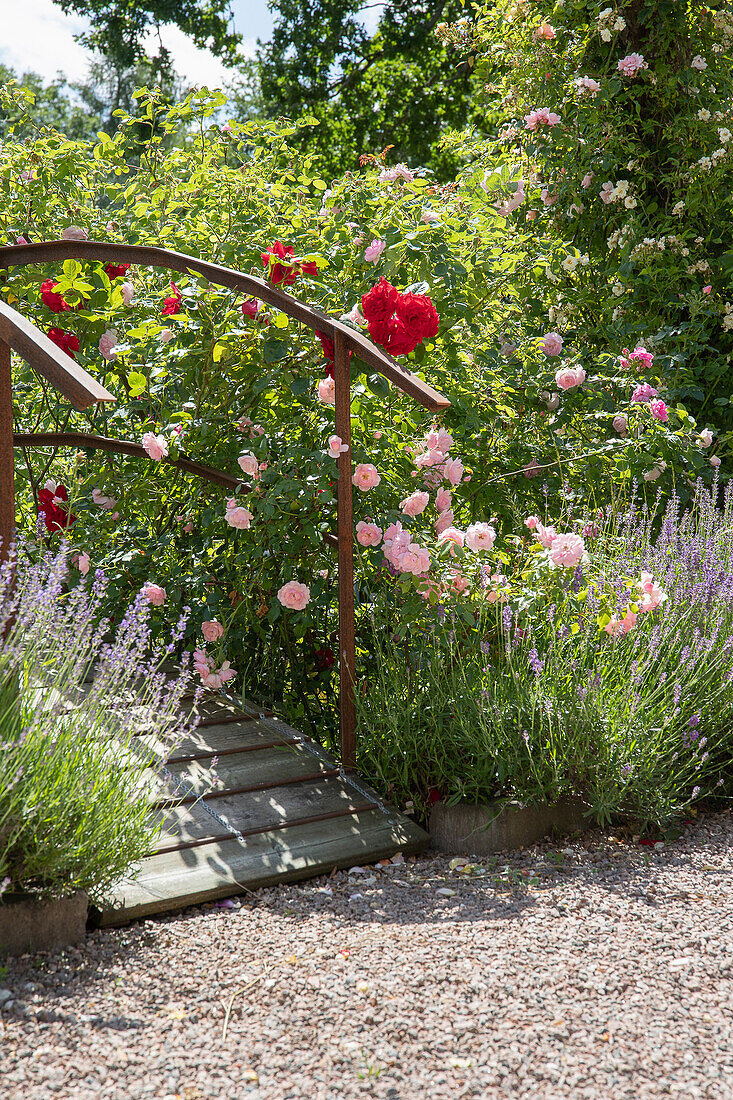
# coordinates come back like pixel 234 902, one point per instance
pixel 638 723
pixel 87 716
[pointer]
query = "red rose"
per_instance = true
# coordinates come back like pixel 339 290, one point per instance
pixel 328 353
pixel 279 273
pixel 54 301
pixel 381 301
pixel 115 270
pixel 419 315
pixel 55 517
pixel 309 269
pixel 67 341
pixel 173 304
pixel 394 336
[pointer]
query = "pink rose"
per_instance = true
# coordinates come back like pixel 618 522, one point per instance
pixel 294 595
pixel 643 393
pixel 545 535
pixel 632 64
pixel 459 583
pixel 249 464
pixel 715 461
pixel 414 559
pixel 336 446
pixel 250 307
pixel 166 335
pixel 84 563
pixel 327 391
pixel 212 630
pixel 587 180
pixel 620 425
pixel 74 233
pixel 453 470
pixel 658 409
pixel 707 289
pixel 237 516
pixel 443 500
pixel 706 438
pixel 415 504
pixel 568 377
pixel 128 292
pixel 480 536
pixel 453 536
pixel 368 534
pixel 545 31
pixel 552 343
pixel 444 521
pixel 108 343
pixel 155 446
pixel 154 593
pixel 374 251
pixel 366 476
pixel 356 315
pixel 567 550
pixel 532 522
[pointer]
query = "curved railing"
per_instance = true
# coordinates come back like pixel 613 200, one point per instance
pixel 83 390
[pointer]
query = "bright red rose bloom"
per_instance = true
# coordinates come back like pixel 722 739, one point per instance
pixel 67 341
pixel 279 273
pixel 419 315
pixel 173 304
pixel 55 517
pixel 381 301
pixel 50 298
pixel 309 269
pixel 394 336
pixel 115 270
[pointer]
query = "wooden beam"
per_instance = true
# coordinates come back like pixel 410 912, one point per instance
pixel 7 467
pixel 345 509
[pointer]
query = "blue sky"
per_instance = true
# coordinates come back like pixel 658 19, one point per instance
pixel 37 36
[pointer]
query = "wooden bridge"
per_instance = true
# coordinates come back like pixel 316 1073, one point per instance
pixel 278 807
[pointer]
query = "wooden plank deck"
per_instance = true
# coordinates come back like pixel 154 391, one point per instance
pixel 256 803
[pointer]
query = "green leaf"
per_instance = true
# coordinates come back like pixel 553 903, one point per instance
pixel 137 382
pixel 274 351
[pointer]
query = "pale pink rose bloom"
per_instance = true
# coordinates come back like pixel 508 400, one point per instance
pixel 545 535
pixel 552 343
pixel 706 438
pixel 547 197
pixel 443 500
pixel 336 446
pixel 587 180
pixel 403 171
pixel 643 393
pixel 532 522
pixel 154 593
pixel 395 530
pixel 250 307
pixel 166 335
pixel 368 534
pixel 588 84
pixel 453 536
pixel 715 461
pixel 459 583
pixel 440 441
pixel 201 662
pixel 545 31
pixel 605 192
pixel 249 464
pixel 629 620
pixel 414 559
pixel 632 64
pixel 493 594
pixel 707 289
pixel 429 217
pixel 366 476
pixel 128 292
pixel 415 504
pixel 658 409
pixel 480 536
pixel 541 117
pixel 567 550
pixel 327 391
pixel 614 627
pixel 294 595
pixel 217 677
pixel 108 343
pixel 212 630
pixel 374 251
pixel 154 446
pixel 620 425
pixel 654 474
pixel 453 470
pixel 378 435
pixel 429 458
pixel 569 377
pixel 356 315
pixel 237 516
pixel 388 175
pixel 74 233
pixel 444 521
pixel 103 501
pixel 84 563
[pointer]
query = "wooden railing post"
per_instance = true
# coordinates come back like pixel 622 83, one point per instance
pixel 7 464
pixel 347 649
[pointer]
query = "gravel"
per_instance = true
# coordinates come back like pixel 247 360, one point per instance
pixel 591 968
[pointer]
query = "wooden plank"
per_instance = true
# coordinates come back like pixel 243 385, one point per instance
pixel 217 739
pixel 228 868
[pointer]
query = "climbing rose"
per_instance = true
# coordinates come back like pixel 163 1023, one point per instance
pixel 50 298
pixel 327 391
pixel 643 393
pixel 250 307
pixel 74 233
pixel 620 424
pixel 632 64
pixel 415 504
pixel 568 377
pixel 380 302
pixel 84 563
pixel 394 336
pixel 374 251
pixel 108 343
pixel 336 446
pixel 444 521
pixel 114 271
pixel 279 272
pixel 419 315
pixel 237 516
pixel 155 446
pixel 480 536
pixel 212 630
pixel 217 677
pixel 453 470
pixel 294 595
pixel 50 497
pixel 443 500
pixel 545 31
pixel 173 304
pixel 552 343
pixel 541 117
pixel 532 522
pixel 545 535
pixel 67 341
pixel 453 536
pixel 706 438
pixel 366 476
pixel 128 292
pixel 566 550
pixel 658 409
pixel 368 534
pixel 154 594
pixel 249 464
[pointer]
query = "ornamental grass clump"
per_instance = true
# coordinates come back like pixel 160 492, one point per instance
pixel 76 700
pixel 620 695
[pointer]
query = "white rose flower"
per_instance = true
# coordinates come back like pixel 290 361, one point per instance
pixel 724 135
pixel 605 35
pixel 630 202
pixel 703 114
pixel 699 63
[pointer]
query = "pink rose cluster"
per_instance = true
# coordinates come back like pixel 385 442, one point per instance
pixel 212 677
pixel 404 555
pixel 155 446
pixel 565 551
pixel 237 516
pixel 639 355
pixel 650 596
pixel 434 461
pixel 542 116
pixel 632 64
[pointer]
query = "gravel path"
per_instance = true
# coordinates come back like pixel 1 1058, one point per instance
pixel 596 969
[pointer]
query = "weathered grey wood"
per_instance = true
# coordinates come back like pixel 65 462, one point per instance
pixel 240 770
pixel 227 868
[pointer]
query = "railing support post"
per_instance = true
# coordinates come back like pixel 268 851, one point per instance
pixel 7 464
pixel 347 647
